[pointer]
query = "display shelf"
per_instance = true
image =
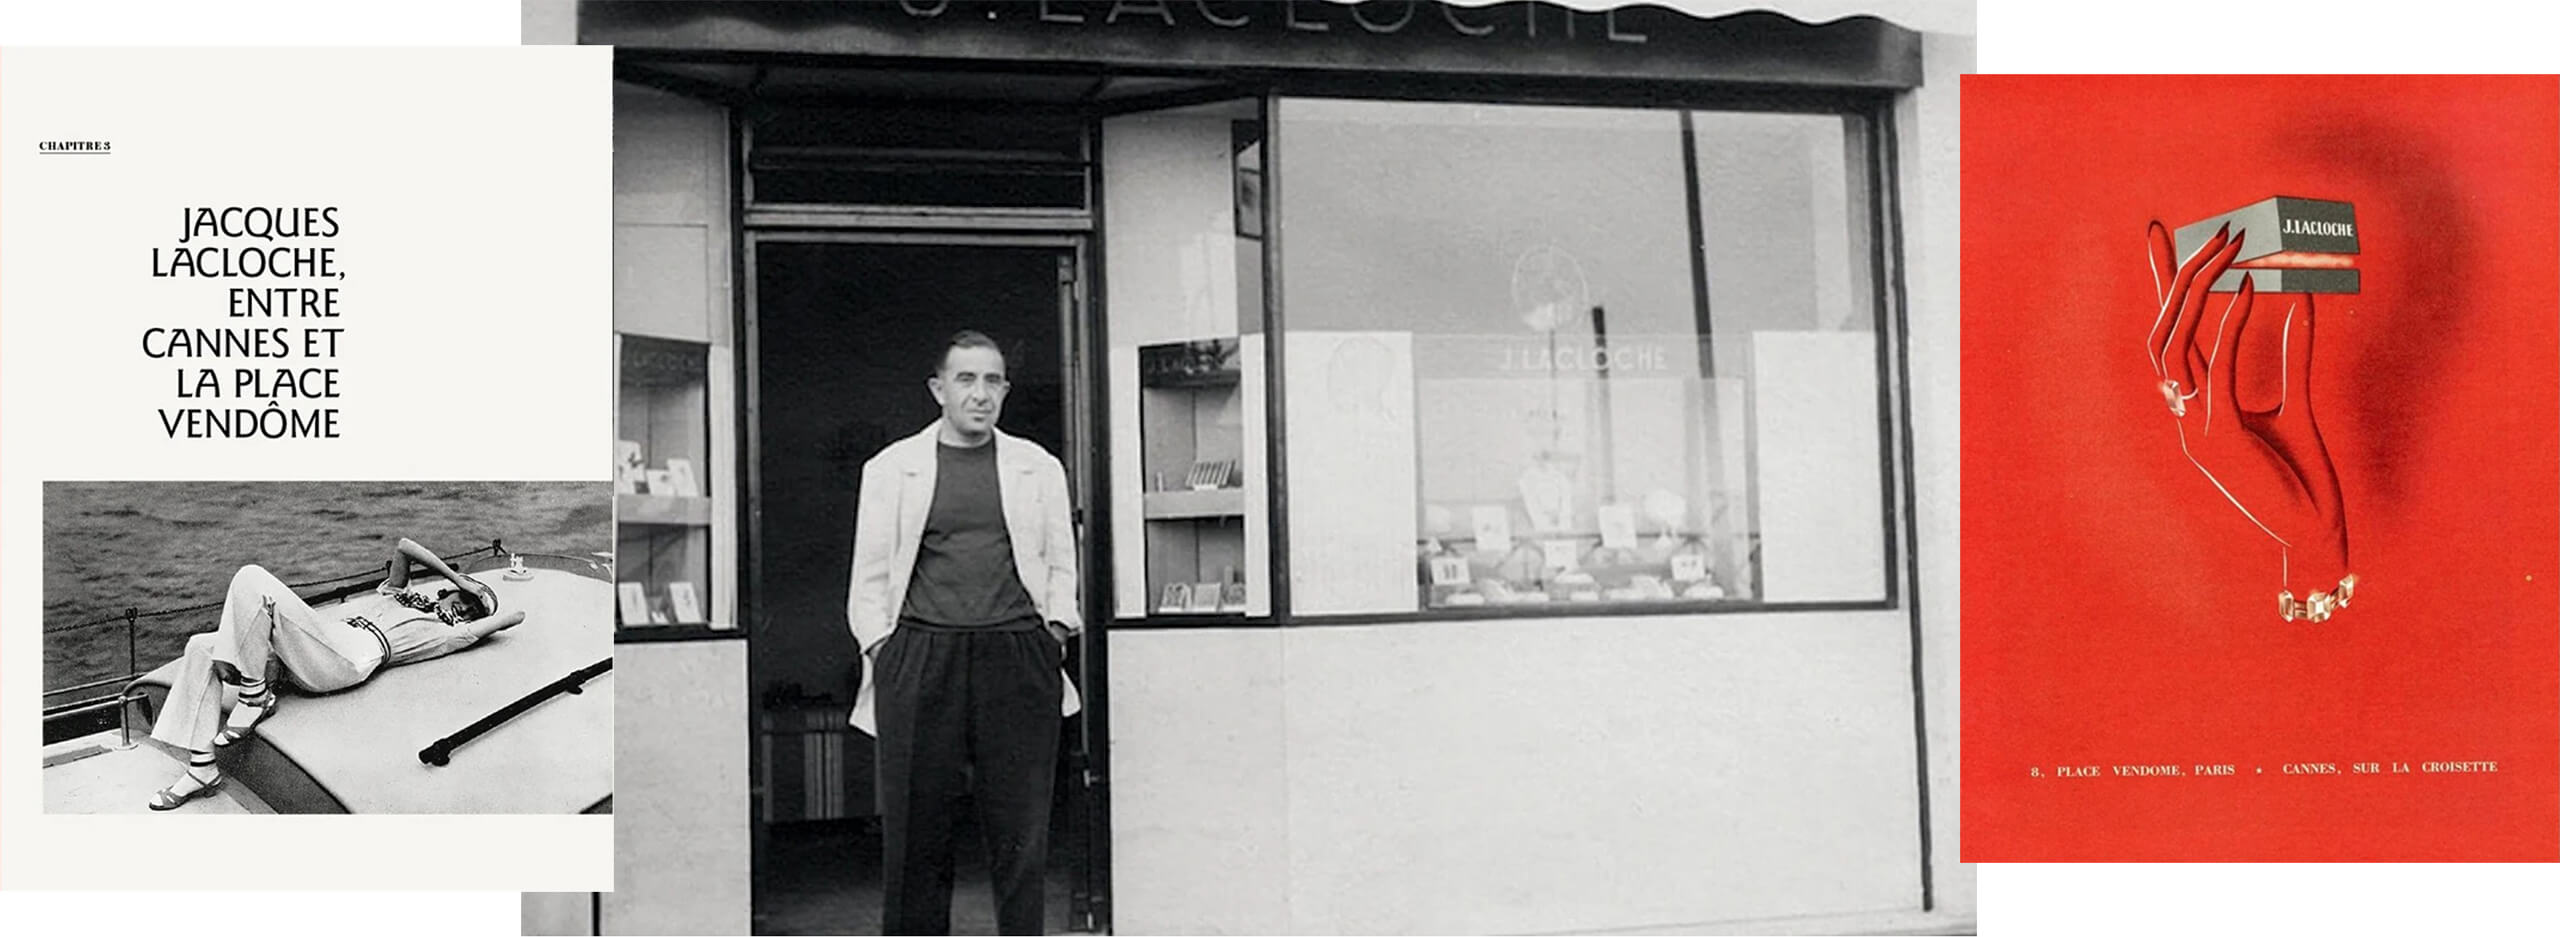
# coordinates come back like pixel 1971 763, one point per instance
pixel 1195 505
pixel 662 510
pixel 1192 435
pixel 1455 573
pixel 664 562
pixel 662 484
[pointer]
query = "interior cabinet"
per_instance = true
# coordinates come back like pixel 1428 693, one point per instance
pixel 662 504
pixel 1191 424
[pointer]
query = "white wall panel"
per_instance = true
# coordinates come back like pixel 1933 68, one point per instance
pixel 681 822
pixel 1199 804
pixel 1821 469
pixel 1590 774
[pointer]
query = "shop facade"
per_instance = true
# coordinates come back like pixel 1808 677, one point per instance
pixel 1513 446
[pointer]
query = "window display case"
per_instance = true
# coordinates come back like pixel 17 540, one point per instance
pixel 662 503
pixel 1192 433
pixel 1646 549
pixel 1622 479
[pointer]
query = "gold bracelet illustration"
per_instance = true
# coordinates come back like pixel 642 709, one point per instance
pixel 2320 606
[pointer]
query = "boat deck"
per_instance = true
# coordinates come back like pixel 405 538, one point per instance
pixel 89 775
pixel 357 751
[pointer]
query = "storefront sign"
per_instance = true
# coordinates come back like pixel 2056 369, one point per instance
pixel 1620 359
pixel 1565 355
pixel 1378 17
pixel 1639 41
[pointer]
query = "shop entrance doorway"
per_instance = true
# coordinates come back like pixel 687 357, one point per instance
pixel 842 330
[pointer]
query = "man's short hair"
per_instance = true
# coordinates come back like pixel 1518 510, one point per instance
pixel 965 338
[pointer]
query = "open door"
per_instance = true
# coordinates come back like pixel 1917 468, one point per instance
pixel 848 325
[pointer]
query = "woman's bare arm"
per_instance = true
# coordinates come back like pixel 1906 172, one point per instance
pixel 435 564
pixel 398 578
pixel 484 627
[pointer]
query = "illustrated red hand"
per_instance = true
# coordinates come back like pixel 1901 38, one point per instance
pixel 2270 463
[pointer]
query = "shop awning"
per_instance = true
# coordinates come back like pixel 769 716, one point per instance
pixel 1928 16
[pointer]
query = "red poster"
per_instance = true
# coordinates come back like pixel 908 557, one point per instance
pixel 2178 443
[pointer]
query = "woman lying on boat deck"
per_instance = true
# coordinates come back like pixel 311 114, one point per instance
pixel 266 627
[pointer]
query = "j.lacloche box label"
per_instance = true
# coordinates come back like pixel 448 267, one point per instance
pixel 2289 245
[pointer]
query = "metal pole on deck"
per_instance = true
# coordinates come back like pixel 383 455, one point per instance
pixel 132 665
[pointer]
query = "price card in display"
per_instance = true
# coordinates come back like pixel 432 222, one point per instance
pixel 1493 528
pixel 635 603
pixel 1205 596
pixel 687 604
pixel 1618 526
pixel 680 478
pixel 1563 556
pixel 628 470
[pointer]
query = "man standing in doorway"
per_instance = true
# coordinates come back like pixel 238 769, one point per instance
pixel 963 598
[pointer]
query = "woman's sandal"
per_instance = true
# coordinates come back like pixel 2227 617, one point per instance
pixel 235 728
pixel 170 798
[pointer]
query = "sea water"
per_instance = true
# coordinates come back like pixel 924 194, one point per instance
pixel 109 546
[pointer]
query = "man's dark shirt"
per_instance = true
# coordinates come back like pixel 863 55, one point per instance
pixel 964 575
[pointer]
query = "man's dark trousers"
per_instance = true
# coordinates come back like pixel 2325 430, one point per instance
pixel 957 703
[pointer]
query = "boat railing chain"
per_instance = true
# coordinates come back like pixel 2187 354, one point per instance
pixel 379 570
pixel 117 680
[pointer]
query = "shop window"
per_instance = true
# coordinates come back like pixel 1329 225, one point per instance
pixel 1578 357
pixel 1183 249
pixel 662 491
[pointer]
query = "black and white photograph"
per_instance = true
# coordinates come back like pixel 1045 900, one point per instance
pixel 1307 467
pixel 328 647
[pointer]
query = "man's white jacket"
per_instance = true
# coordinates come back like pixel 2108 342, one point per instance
pixel 897 490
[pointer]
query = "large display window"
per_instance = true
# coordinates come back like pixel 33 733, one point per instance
pixel 1540 357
